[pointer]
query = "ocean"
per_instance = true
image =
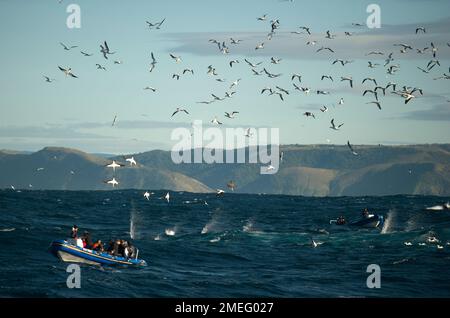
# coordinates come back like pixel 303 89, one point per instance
pixel 237 245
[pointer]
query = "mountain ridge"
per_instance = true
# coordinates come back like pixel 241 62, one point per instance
pixel 311 170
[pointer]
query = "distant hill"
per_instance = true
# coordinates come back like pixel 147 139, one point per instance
pixel 310 170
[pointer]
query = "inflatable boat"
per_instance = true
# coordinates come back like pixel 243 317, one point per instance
pixel 373 221
pixel 69 252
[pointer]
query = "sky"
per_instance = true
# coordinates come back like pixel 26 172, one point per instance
pixel 78 113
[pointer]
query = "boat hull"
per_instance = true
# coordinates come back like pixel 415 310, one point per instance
pixel 71 253
pixel 376 221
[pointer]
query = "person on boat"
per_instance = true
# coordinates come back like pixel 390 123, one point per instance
pixel 131 250
pixel 74 232
pixel 110 248
pixel 87 240
pixel 366 214
pixel 98 246
pixel 341 220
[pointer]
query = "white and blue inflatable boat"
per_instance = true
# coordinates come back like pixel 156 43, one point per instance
pixel 69 252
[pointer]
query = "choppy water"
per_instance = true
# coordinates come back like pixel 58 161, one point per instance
pixel 235 246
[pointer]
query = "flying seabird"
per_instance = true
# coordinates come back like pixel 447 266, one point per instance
pixel 350 79
pixel 67 71
pixel 179 110
pixel 67 48
pixel 309 114
pixel 308 30
pixel 176 58
pixel 333 126
pixel 248 133
pixel 48 79
pixel 150 88
pixel 376 103
pixel 325 48
pixel 234 83
pixel 167 197
pixel 351 148
pixel 153 63
pixel 274 60
pixel 215 121
pixel 231 115
pixel 157 24
pixel 299 77
pixel 370 79
pixel 131 161
pixel 147 195
pixel 263 18
pixel 420 29
pixel 104 49
pixel 112 182
pixel 100 67
pixel 232 62
pixel 188 70
pixel 114 120
pixel 324 109
pixel 259 46
pixel 326 76
pixel 114 165
pixel 252 64
pixel 177 76
pixel 86 54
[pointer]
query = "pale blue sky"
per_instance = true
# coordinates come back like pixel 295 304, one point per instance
pixel 78 112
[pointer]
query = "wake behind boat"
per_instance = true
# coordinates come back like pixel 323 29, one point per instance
pixel 68 251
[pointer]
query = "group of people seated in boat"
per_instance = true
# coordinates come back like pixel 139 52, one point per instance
pixel 117 247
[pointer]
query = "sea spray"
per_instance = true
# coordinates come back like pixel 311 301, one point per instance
pixel 389 221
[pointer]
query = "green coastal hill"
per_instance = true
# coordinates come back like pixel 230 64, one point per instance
pixel 310 170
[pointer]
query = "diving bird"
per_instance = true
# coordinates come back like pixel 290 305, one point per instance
pixel 179 110
pixel 112 182
pixel 231 185
pixel 351 148
pixel 68 72
pixel 131 161
pixel 153 63
pixel 104 49
pixel 114 165
pixel 334 127
pixel 147 195
pixel 167 197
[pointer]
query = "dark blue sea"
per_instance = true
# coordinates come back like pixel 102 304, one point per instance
pixel 251 246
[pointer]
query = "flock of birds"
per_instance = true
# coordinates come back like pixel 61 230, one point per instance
pixel 225 47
